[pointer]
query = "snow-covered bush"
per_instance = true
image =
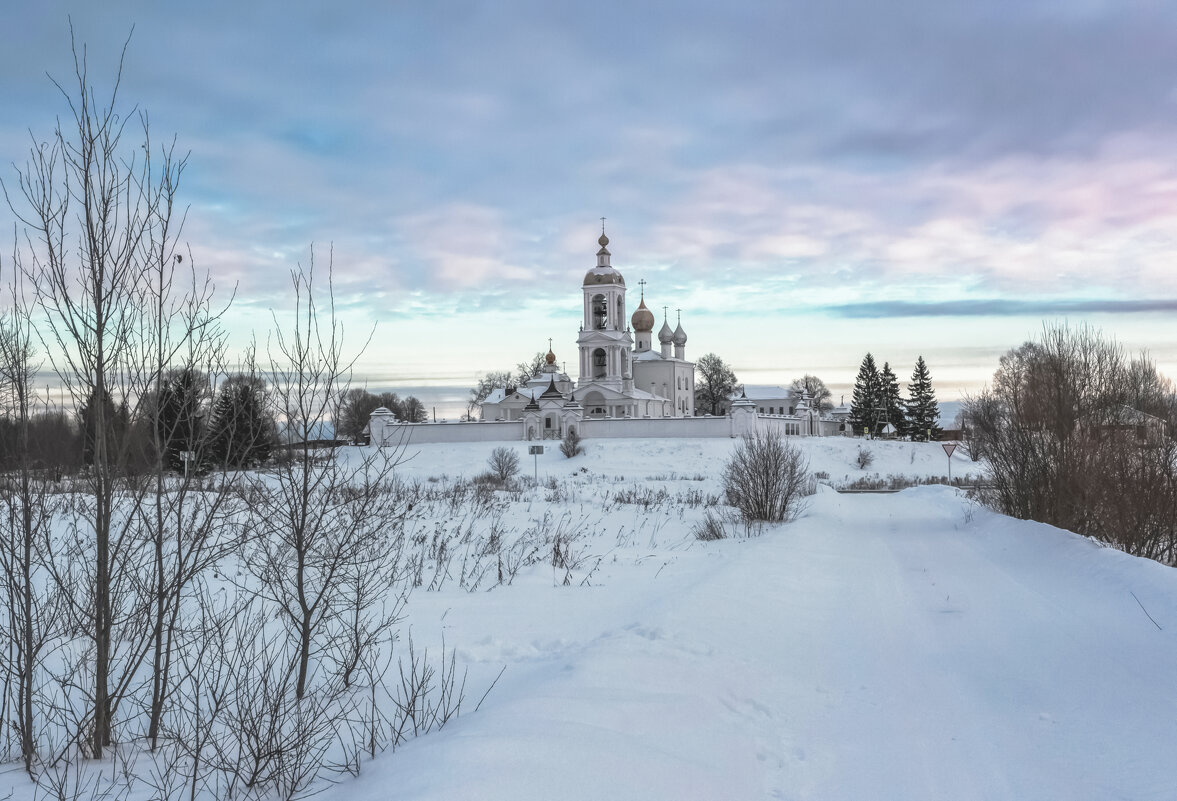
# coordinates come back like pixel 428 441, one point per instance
pixel 766 478
pixel 504 463
pixel 865 458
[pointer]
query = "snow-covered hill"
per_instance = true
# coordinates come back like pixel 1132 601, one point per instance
pixel 909 646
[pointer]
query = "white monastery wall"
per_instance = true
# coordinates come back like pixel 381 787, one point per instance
pixel 735 425
pixel 656 427
pixel 410 433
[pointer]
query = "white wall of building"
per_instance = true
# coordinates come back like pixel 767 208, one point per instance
pixel 669 427
pixel 732 425
pixel 481 431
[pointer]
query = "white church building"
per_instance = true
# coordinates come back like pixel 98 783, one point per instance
pixel 625 387
pixel 618 376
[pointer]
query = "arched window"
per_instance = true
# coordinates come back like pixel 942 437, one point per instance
pixel 600 312
pixel 599 363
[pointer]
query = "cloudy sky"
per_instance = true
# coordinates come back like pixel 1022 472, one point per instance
pixel 805 180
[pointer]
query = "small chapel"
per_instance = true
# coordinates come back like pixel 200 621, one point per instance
pixel 621 375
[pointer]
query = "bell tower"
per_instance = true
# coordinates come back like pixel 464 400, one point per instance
pixel 605 342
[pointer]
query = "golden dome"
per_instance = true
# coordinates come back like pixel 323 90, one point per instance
pixel 551 357
pixel 643 318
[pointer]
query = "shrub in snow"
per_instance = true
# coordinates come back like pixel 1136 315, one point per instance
pixel 504 463
pixel 865 458
pixel 1078 434
pixel 711 527
pixel 570 446
pixel 766 478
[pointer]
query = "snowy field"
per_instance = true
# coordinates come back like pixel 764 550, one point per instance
pixel 910 645
pixel 898 646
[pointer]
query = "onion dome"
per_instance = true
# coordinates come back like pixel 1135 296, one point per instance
pixel 551 357
pixel 680 336
pixel 643 318
pixel 665 335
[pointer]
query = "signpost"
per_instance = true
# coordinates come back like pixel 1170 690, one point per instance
pixel 187 457
pixel 536 451
pixel 949 447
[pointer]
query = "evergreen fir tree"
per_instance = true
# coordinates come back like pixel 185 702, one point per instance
pixel 117 421
pixel 242 429
pixel 177 420
pixel 923 413
pixel 892 403
pixel 865 401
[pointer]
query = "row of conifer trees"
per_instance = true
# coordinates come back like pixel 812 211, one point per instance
pixel 877 402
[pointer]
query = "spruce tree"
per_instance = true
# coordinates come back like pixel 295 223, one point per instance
pixel 892 403
pixel 923 413
pixel 117 421
pixel 178 418
pixel 865 401
pixel 242 429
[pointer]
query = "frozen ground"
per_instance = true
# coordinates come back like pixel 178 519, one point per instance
pixel 909 646
pixel 905 646
pixel 644 459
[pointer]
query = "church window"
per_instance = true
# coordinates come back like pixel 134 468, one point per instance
pixel 600 312
pixel 547 422
pixel 599 363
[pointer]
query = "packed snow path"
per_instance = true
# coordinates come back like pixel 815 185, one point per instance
pixel 906 646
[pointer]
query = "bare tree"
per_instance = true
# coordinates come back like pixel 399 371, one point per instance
pixel 1067 441
pixel 503 463
pixel 25 514
pixel 121 313
pixel 819 393
pixel 766 478
pixel 318 519
pixel 355 407
pixel 715 385
pixel 486 385
pixel 92 203
pixel 529 368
